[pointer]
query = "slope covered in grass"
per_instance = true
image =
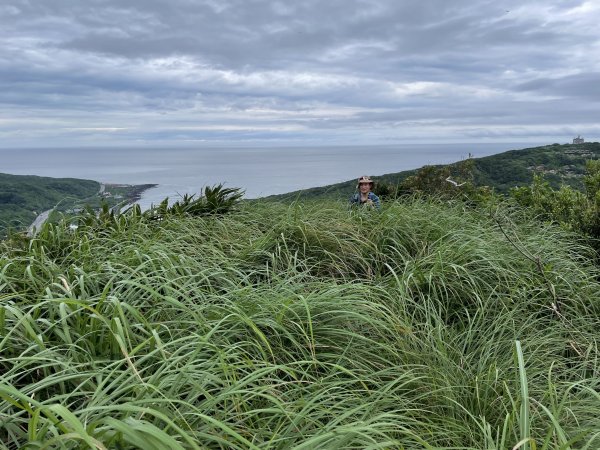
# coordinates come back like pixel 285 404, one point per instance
pixel 425 325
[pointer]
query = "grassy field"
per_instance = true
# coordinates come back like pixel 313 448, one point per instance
pixel 306 326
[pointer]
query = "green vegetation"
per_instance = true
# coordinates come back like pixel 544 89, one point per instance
pixel 559 164
pixel 213 200
pixel 572 209
pixel 429 324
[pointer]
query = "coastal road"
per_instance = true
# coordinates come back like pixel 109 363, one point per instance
pixel 38 222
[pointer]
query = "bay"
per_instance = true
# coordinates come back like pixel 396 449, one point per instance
pixel 259 171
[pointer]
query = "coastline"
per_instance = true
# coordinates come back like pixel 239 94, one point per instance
pixel 137 190
pixel 123 194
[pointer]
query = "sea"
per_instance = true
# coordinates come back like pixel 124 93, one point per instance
pixel 258 171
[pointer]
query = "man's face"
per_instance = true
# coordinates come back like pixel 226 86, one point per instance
pixel 364 187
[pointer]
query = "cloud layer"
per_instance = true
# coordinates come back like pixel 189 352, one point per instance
pixel 255 72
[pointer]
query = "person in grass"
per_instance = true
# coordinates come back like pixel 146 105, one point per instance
pixel 365 196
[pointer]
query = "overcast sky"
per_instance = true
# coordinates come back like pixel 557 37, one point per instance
pixel 301 72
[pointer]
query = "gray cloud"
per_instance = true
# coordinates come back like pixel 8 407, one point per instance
pixel 108 71
pixel 584 87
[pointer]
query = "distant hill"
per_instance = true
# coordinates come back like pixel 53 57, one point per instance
pixel 558 163
pixel 23 197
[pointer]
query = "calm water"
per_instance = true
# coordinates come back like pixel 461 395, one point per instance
pixel 260 172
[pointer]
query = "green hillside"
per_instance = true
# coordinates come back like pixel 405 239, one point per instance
pixel 560 164
pixel 23 197
pixel 428 324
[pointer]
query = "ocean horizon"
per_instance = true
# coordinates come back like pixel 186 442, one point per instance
pixel 258 171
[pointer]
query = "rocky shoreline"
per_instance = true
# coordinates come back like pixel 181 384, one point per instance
pixel 137 191
pixel 126 193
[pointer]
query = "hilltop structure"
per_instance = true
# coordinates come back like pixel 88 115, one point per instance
pixel 578 140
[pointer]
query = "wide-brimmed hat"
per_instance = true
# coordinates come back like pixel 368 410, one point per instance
pixel 364 180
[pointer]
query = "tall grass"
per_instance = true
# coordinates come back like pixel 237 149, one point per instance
pixel 425 325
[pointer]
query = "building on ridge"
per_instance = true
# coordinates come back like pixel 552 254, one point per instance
pixel 578 140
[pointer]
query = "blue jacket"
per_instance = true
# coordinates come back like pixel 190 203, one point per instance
pixel 355 200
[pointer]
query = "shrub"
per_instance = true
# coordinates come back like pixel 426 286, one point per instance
pixel 214 200
pixel 572 209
